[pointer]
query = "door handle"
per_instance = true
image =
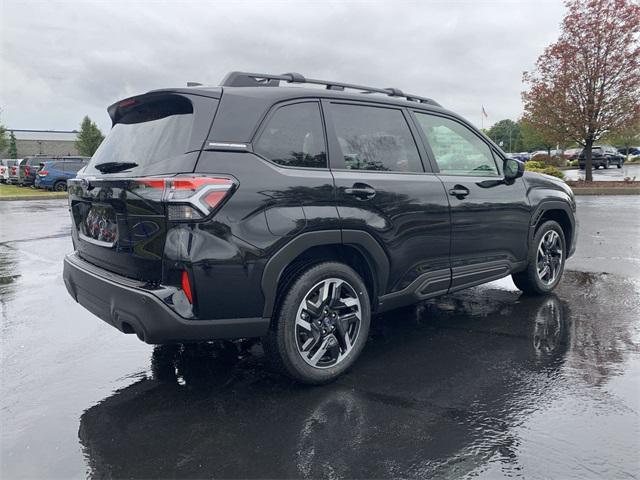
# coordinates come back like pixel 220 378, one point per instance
pixel 361 191
pixel 459 191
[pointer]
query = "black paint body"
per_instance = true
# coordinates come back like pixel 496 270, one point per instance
pixel 411 240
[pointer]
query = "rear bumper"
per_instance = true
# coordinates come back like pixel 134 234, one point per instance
pixel 594 162
pixel 133 307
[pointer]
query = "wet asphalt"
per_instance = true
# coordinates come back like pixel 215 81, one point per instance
pixel 611 174
pixel 484 383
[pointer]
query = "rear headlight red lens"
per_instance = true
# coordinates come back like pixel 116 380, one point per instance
pixel 43 173
pixel 190 197
pixel 186 286
pixel 27 170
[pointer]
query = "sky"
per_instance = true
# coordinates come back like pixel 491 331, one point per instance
pixel 61 60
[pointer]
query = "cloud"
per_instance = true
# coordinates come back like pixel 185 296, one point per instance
pixel 62 60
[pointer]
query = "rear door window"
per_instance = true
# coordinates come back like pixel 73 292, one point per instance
pixel 35 161
pixel 293 136
pixel 73 166
pixel 375 138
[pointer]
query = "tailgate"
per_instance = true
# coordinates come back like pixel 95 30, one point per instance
pixel 119 225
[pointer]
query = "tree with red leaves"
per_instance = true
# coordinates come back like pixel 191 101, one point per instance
pixel 588 82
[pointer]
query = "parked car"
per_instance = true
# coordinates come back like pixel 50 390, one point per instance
pixel 522 156
pixel 632 151
pixel 13 172
pixel 601 156
pixel 53 174
pixel 294 214
pixel 27 169
pixel 5 167
pixel 572 153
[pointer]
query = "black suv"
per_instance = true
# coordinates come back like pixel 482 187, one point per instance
pixel 602 156
pixel 294 214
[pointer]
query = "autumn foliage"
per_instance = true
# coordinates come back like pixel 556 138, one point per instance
pixel 587 83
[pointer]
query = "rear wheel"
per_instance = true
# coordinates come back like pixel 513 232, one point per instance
pixel 546 261
pixel 60 186
pixel 620 162
pixel 321 325
pixel 606 163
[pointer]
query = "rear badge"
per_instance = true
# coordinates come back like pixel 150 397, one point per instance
pixel 100 226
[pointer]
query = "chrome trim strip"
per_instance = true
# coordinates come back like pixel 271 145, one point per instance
pixel 96 242
pixel 227 145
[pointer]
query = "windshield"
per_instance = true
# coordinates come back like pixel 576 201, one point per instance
pixel 155 130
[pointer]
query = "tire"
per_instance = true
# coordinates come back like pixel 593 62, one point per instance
pixel 606 164
pixel 620 163
pixel 60 186
pixel 285 344
pixel 530 281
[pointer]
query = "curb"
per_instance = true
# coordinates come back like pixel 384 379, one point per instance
pixel 606 191
pixel 33 197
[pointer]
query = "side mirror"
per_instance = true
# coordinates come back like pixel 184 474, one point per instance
pixel 513 169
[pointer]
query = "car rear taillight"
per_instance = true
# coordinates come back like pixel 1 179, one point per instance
pixel 27 170
pixel 186 286
pixel 190 197
pixel 43 173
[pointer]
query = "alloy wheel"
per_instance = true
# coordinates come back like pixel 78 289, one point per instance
pixel 328 323
pixel 549 257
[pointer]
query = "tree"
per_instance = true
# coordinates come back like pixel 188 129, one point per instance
pixel 13 147
pixel 89 138
pixel 3 139
pixel 588 82
pixel 506 133
pixel 535 137
pixel 627 136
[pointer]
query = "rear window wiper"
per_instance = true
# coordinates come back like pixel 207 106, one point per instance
pixel 112 167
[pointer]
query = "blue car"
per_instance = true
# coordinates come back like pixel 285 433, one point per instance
pixel 53 174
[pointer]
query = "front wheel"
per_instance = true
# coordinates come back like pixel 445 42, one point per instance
pixel 606 164
pixel 546 261
pixel 321 325
pixel 620 164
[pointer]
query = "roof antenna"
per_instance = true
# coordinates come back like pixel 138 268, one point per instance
pixel 193 84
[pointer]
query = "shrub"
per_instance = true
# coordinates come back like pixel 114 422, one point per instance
pixel 542 168
pixel 574 163
pixel 534 164
pixel 555 161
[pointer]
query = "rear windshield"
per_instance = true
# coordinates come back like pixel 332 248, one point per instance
pixel 593 150
pixel 152 131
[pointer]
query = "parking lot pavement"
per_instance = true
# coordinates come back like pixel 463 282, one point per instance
pixel 609 175
pixel 484 382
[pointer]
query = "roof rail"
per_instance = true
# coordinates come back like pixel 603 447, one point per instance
pixel 245 79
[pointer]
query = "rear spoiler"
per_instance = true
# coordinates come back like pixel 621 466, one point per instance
pixel 117 109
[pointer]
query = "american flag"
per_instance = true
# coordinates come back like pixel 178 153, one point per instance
pixel 484 112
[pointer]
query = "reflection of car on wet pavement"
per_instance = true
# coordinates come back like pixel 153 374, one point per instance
pixel 267 238
pixel 487 362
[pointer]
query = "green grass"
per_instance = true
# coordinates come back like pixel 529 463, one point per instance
pixel 15 191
